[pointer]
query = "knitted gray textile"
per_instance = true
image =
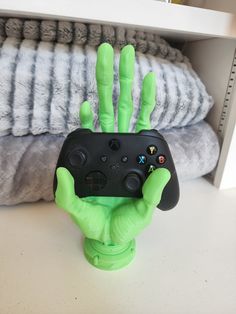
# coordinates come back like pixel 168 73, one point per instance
pixel 42 85
pixel 79 33
pixel 27 163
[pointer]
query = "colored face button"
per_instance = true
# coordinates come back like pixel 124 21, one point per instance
pixel 161 159
pixel 141 159
pixel 150 169
pixel 152 149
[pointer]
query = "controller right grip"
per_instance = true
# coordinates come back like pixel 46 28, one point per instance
pixel 170 194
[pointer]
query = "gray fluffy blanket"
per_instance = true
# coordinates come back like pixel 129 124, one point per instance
pixel 42 85
pixel 66 32
pixel 27 163
pixel 47 69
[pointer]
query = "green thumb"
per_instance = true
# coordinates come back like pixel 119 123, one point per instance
pixel 154 186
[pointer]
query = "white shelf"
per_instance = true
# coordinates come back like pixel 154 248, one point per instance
pixel 176 21
pixel 185 261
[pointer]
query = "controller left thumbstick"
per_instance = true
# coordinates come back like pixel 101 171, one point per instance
pixel 77 158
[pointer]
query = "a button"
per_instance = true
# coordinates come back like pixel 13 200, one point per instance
pixel 132 182
pixel 152 149
pixel 124 159
pixel 103 158
pixel 141 159
pixel 161 159
pixel 114 144
pixel 77 158
pixel 150 169
pixel 95 181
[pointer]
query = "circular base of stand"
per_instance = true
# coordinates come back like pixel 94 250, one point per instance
pixel 109 257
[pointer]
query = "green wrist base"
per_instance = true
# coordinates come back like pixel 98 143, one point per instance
pixel 109 257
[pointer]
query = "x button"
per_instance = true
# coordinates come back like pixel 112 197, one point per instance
pixel 141 159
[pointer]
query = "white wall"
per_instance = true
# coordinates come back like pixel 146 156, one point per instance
pixel 229 175
pixel 212 59
pixel 219 5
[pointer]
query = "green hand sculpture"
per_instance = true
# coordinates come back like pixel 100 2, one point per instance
pixel 110 224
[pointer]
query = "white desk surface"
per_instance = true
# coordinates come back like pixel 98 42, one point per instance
pixel 185 262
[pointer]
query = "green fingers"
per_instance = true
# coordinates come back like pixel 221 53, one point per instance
pixel 126 76
pixel 148 97
pixel 118 220
pixel 129 219
pixel 86 116
pixel 154 186
pixel 104 77
pixel 65 194
pixel 91 217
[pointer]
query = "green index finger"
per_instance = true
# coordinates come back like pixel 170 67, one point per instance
pixel 104 77
pixel 126 76
pixel 148 99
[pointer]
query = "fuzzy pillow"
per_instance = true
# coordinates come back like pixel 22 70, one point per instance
pixel 27 163
pixel 43 84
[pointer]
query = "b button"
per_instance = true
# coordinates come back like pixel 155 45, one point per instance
pixel 161 159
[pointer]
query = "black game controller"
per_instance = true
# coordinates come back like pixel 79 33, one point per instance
pixel 117 164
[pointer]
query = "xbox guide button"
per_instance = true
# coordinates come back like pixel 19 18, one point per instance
pixel 114 144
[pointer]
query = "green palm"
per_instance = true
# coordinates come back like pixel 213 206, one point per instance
pixel 114 219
